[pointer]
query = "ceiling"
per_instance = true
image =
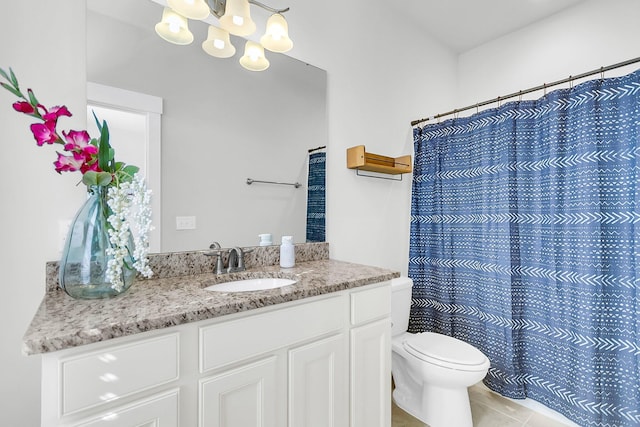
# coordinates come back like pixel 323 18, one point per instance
pixel 462 25
pixel 459 25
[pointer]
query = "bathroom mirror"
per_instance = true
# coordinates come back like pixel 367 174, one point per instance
pixel 221 124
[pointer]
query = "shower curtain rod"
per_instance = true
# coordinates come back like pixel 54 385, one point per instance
pixel 311 150
pixel 532 89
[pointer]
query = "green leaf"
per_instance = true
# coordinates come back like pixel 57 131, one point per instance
pixel 104 178
pixel 90 178
pixel 14 80
pixel 131 170
pixel 112 154
pixel 97 121
pixel 11 89
pixel 32 98
pixel 105 153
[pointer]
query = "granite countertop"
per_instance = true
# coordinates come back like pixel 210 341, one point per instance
pixel 63 322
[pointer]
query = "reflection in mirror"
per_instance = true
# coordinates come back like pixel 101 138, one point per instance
pixel 135 121
pixel 221 124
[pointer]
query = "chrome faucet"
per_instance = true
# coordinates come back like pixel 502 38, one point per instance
pixel 235 262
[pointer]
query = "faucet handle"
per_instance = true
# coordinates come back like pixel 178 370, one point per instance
pixel 216 250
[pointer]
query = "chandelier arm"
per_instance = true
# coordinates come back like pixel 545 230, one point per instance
pixel 268 8
pixel 217 7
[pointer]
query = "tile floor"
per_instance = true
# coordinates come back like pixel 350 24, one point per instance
pixel 488 409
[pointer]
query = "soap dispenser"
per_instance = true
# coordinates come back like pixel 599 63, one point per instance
pixel 265 239
pixel 287 252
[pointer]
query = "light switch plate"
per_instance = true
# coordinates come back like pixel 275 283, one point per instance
pixel 185 223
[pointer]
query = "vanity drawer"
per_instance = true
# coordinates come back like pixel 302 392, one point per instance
pixel 370 304
pixel 161 410
pixel 94 378
pixel 260 333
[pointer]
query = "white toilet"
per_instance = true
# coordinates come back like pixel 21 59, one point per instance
pixel 431 371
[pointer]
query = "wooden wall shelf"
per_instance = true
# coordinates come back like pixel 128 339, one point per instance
pixel 358 158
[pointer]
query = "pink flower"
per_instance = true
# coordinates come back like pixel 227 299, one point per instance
pixel 44 132
pixel 80 151
pixel 69 163
pixel 79 141
pixel 90 167
pixel 56 112
pixel 23 107
pixel 42 110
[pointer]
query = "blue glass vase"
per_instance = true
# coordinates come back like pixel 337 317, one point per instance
pixel 84 262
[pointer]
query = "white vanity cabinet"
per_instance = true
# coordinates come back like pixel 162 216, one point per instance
pixel 370 362
pixel 89 379
pixel 322 361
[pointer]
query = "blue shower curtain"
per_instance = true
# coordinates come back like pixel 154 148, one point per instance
pixel 316 198
pixel 525 243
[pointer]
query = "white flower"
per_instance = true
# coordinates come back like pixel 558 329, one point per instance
pixel 130 218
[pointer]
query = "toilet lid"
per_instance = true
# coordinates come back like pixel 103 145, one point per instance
pixel 443 348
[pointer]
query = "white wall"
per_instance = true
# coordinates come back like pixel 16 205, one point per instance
pixel 582 38
pixel 382 72
pixel 44 43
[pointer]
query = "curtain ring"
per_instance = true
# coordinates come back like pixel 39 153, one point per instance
pixel 520 96
pixel 570 82
pixel 477 105
pixel 545 89
pixel 601 73
pixel 499 103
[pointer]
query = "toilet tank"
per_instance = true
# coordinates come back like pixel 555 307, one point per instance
pixel 400 304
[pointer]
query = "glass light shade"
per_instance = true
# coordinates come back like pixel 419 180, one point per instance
pixel 254 59
pixel 218 44
pixel 276 38
pixel 192 9
pixel 174 28
pixel 237 18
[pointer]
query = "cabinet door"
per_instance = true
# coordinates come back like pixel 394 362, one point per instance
pixel 371 375
pixel 158 411
pixel 318 389
pixel 243 397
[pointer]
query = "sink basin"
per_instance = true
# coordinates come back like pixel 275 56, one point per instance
pixel 247 285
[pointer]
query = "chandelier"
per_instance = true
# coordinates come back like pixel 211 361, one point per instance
pixel 234 18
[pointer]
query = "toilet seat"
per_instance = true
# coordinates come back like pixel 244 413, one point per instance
pixel 445 351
